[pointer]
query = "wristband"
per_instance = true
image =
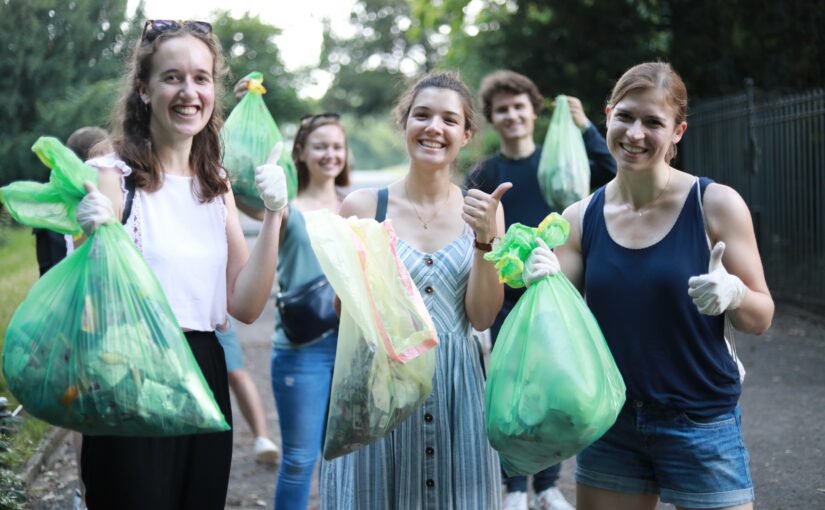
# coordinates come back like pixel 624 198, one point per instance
pixel 485 247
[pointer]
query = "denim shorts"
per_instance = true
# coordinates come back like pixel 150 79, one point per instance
pixel 686 461
pixel 231 348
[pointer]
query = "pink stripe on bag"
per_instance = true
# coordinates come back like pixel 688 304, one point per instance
pixel 412 292
pixel 426 344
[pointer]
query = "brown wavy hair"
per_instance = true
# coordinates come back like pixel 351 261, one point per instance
pixel 308 125
pixel 509 82
pixel 130 122
pixel 654 76
pixel 449 80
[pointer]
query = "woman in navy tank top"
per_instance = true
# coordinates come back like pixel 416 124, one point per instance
pixel 664 259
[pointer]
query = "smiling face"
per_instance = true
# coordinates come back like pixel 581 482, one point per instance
pixel 435 127
pixel 512 116
pixel 325 153
pixel 641 128
pixel 180 89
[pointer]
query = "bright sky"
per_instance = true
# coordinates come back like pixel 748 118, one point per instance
pixel 300 41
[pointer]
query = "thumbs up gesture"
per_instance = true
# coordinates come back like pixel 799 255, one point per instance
pixel 480 211
pixel 271 181
pixel 717 291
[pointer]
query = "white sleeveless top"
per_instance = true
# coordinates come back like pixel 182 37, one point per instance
pixel 184 242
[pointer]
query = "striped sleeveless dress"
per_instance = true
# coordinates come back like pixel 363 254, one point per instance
pixel 439 457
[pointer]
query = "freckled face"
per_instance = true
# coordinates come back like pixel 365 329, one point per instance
pixel 434 130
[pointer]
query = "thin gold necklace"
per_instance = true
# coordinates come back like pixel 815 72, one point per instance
pixel 415 209
pixel 640 211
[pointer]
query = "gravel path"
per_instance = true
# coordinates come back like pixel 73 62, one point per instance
pixel 783 406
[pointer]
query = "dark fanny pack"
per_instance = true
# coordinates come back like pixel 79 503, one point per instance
pixel 307 312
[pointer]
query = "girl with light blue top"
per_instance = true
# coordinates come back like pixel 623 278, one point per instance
pixel 302 373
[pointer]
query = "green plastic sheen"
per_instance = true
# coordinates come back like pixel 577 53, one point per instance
pixel 95 346
pixel 564 168
pixel 249 135
pixel 553 387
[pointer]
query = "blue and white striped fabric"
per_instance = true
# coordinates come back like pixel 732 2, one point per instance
pixel 439 458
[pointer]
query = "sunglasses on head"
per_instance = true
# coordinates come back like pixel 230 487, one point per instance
pixel 306 119
pixel 154 27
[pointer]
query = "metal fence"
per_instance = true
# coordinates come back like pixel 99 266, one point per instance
pixel 772 151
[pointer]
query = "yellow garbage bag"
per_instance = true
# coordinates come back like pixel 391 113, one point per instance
pixel 385 361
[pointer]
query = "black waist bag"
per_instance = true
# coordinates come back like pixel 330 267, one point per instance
pixel 307 312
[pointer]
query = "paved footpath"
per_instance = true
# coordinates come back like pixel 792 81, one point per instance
pixel 783 406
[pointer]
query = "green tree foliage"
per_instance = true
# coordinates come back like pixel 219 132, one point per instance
pixel 52 49
pixel 374 141
pixel 716 45
pixel 249 45
pixel 578 47
pixel 393 40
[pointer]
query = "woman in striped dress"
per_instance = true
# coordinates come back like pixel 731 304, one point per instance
pixel 439 458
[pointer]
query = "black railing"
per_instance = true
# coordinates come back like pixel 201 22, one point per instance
pixel 772 151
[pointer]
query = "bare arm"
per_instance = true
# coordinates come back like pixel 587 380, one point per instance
pixel 729 220
pixel 249 277
pixel 485 293
pixel 570 253
pixel 109 183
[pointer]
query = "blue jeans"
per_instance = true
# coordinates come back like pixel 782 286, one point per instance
pixel 542 480
pixel 687 461
pixel 301 380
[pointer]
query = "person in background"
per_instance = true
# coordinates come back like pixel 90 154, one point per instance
pixel 439 457
pixel 301 370
pixel 52 247
pixel 664 260
pixel 184 221
pixel 246 394
pixel 511 104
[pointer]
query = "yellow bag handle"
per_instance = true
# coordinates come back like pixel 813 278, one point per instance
pixel 256 86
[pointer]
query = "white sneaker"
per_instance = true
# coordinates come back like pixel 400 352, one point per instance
pixel 515 501
pixel 266 451
pixel 550 499
pixel 78 501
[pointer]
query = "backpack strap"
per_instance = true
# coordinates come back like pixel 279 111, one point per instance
pixel 381 207
pixel 129 184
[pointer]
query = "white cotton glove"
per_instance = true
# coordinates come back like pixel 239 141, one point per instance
pixel 271 181
pixel 717 291
pixel 94 210
pixel 541 263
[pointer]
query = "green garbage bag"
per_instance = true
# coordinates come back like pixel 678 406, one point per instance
pixel 249 135
pixel 564 168
pixel 95 347
pixel 553 387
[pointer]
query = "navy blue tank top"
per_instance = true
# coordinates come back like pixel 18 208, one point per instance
pixel 668 353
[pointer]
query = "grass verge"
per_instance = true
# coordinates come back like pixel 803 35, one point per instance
pixel 18 271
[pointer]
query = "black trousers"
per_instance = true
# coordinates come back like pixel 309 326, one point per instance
pixel 165 473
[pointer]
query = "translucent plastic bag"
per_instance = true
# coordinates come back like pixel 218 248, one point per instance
pixel 564 168
pixel 553 387
pixel 95 347
pixel 249 135
pixel 385 361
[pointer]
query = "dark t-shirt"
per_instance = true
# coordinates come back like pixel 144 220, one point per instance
pixel 50 248
pixel 524 203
